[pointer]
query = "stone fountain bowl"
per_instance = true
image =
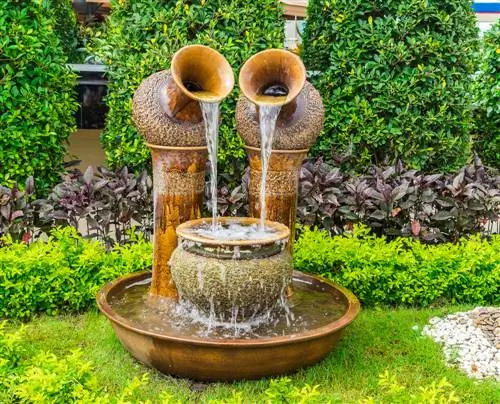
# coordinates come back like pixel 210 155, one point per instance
pixel 228 359
pixel 224 276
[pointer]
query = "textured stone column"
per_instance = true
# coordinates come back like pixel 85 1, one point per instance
pixel 281 186
pixel 178 186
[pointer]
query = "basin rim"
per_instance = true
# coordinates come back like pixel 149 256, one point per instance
pixel 282 232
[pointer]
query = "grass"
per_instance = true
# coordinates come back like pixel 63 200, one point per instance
pixel 379 340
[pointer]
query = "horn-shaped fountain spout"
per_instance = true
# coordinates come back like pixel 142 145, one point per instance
pixel 166 106
pixel 167 112
pixel 273 77
pixel 278 77
pixel 202 73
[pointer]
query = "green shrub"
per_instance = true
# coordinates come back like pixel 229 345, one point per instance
pixel 36 95
pixel 404 271
pixel 65 26
pixel 440 391
pixel 62 274
pixel 45 378
pixel 394 76
pixel 487 124
pixel 143 35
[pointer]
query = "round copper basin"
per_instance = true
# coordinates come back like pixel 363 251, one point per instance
pixel 228 359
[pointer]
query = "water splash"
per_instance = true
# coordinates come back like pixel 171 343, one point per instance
pixel 308 308
pixel 210 112
pixel 268 114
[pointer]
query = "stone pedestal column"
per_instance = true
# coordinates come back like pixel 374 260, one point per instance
pixel 178 186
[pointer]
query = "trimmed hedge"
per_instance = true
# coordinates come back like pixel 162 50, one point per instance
pixel 141 38
pixel 404 271
pixel 395 79
pixel 36 95
pixel 62 274
pixel 487 114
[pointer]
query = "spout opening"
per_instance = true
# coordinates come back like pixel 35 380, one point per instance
pixel 272 77
pixel 202 73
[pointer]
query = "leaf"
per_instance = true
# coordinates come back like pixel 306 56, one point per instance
pixel 415 227
pixel 100 184
pixel 443 215
pixel 5 211
pixel 400 191
pixel 395 212
pixel 457 181
pixel 30 185
pixel 378 214
pixel 16 214
pixel 432 178
pixel 372 193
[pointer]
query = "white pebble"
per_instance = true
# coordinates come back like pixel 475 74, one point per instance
pixel 465 345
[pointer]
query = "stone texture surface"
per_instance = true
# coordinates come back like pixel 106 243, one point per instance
pixel 471 340
pixel 153 122
pixel 231 289
pixel 298 134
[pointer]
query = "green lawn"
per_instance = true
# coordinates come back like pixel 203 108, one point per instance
pixel 378 340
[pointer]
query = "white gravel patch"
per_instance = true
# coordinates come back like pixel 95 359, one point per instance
pixel 471 340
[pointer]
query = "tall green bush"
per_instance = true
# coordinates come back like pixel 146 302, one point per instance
pixel 143 35
pixel 65 26
pixel 394 76
pixel 36 95
pixel 487 117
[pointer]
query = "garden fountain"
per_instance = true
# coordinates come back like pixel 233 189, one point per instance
pixel 217 305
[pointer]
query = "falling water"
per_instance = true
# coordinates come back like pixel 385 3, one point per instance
pixel 211 117
pixel 268 114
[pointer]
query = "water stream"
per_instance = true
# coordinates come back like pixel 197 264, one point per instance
pixel 268 114
pixel 210 112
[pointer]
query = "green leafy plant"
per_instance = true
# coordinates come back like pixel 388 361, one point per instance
pixel 65 26
pixel 283 390
pixel 36 95
pixel 395 79
pixel 394 392
pixel 140 39
pixel 45 378
pixel 487 113
pixel 50 379
pixel 63 273
pixel 403 271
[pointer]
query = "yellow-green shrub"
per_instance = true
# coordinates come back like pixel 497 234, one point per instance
pixel 62 274
pixel 404 271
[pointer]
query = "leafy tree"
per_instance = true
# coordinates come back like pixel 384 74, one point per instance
pixel 487 115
